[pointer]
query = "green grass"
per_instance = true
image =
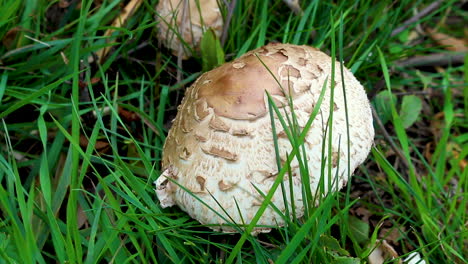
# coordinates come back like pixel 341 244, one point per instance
pixel 77 168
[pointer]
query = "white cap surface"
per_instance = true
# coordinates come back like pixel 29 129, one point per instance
pixel 221 142
pixel 184 19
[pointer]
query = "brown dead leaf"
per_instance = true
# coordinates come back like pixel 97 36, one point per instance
pixel 450 43
pixel 64 4
pixel 363 214
pixel 428 149
pixel 128 116
pixel 437 125
pixel 100 146
pixel 9 39
pixel 391 235
pixel 81 217
pixel 455 149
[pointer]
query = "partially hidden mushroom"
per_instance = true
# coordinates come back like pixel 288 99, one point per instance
pixel 220 147
pixel 182 23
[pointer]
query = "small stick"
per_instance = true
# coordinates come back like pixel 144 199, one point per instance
pixel 426 11
pixel 231 8
pixel 436 59
pixel 388 138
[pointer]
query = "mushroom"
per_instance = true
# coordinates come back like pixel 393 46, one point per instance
pixel 183 22
pixel 221 145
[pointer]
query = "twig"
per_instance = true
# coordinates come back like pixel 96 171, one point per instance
pixel 436 59
pixel 388 138
pixel 426 11
pixel 231 8
pixel 142 61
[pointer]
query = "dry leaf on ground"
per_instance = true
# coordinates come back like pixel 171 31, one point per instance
pixel 450 43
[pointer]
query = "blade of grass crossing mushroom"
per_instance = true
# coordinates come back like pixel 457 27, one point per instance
pixel 291 131
pixel 323 166
pixel 247 232
pixel 231 224
pixel 332 103
pixel 279 177
pixel 291 197
pixel 301 157
pixel 343 228
pixel 278 159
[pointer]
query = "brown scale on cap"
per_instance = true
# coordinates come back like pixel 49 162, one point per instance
pixel 221 143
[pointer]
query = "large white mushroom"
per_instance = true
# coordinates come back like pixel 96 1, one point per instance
pixel 183 22
pixel 221 142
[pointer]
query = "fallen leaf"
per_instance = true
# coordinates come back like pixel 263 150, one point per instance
pixel 363 213
pixel 450 43
pixel 64 4
pixel 128 116
pixel 10 37
pixel 100 146
pixel 392 234
pixel 82 219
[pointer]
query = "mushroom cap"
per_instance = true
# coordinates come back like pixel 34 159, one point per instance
pixel 187 21
pixel 221 144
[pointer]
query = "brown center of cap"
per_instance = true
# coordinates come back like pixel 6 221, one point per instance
pixel 236 90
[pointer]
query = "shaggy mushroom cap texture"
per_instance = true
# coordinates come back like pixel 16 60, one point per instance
pixel 185 22
pixel 221 143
